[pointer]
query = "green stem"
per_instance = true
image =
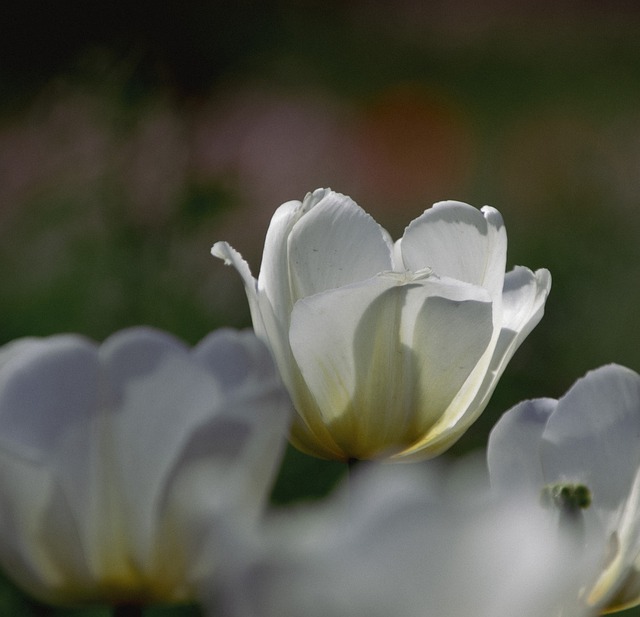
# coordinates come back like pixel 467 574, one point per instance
pixel 42 610
pixel 128 610
pixel 352 463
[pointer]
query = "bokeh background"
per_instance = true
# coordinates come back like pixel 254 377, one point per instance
pixel 134 135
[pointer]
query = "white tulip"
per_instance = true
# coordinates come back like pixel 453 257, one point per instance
pixel 405 545
pixel 581 453
pixel 387 350
pixel 119 463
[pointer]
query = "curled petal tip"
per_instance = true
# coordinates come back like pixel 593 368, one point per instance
pixel 221 250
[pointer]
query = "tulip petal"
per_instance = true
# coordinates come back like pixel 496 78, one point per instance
pixel 460 242
pixel 273 279
pixel 513 451
pixel 159 395
pixel 32 419
pixel 227 465
pixel 235 359
pixel 254 397
pixel 356 350
pixel 21 550
pixel 452 333
pixel 523 299
pixel 594 433
pixel 231 257
pixel 334 244
pixel 321 337
pixel 48 389
pixel 618 587
pixel 229 460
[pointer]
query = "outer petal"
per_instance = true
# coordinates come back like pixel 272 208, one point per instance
pixel 21 346
pixel 593 436
pixel 618 587
pixel 47 388
pixel 459 241
pixel 383 359
pixel 334 244
pixel 272 326
pixel 273 279
pixel 236 359
pixel 20 516
pixel 523 306
pixel 513 451
pixel 232 362
pixel 159 395
pixel 32 419
pixel 255 397
pixel 523 300
pixel 231 257
pixel 330 379
pixel 227 466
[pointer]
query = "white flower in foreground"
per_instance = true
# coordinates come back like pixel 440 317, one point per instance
pixel 581 455
pixel 395 545
pixel 387 350
pixel 118 462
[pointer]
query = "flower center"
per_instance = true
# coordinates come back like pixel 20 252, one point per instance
pixel 570 501
pixel 568 498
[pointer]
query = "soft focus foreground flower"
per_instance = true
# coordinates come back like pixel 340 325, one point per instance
pixel 396 545
pixel 581 455
pixel 120 462
pixel 387 350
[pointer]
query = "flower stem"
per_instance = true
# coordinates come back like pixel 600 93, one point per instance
pixel 128 610
pixel 42 610
pixel 352 463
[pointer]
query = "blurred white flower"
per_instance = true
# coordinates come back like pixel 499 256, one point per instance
pixel 404 545
pixel 120 463
pixel 387 350
pixel 581 454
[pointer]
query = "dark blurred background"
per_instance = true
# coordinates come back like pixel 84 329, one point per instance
pixel 134 135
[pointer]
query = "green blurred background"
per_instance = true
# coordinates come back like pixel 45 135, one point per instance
pixel 134 135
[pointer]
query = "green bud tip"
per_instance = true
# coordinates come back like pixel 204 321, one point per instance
pixel 567 497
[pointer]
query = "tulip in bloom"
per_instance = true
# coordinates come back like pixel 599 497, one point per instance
pixel 387 350
pixel 580 455
pixel 121 463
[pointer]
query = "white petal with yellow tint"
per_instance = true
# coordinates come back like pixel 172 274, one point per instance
pixel 327 244
pixel 356 348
